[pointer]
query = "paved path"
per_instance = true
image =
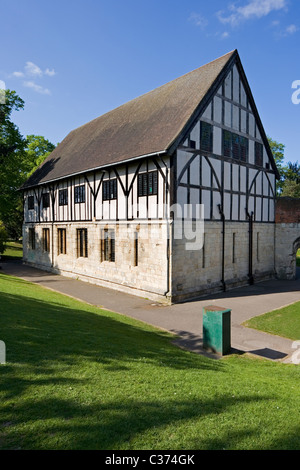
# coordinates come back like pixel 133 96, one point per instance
pixel 185 319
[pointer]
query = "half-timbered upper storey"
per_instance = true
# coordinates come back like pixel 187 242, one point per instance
pixel 195 140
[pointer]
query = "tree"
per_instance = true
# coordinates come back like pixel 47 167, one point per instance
pixel 278 154
pixel 36 150
pixel 290 189
pixel 12 145
pixel 19 157
pixel 291 183
pixel 3 238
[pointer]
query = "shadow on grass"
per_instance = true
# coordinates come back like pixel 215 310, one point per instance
pixel 58 356
pixel 113 425
pixel 40 333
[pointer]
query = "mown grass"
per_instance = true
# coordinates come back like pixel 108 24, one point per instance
pixel 13 250
pixel 78 377
pixel 282 322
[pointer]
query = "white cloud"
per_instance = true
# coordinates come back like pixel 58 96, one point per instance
pixel 50 73
pixel 253 9
pixel 292 29
pixel 198 20
pixel 225 35
pixel 18 74
pixel 33 70
pixel 38 88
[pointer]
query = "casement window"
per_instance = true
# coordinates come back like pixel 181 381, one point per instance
pixel 62 241
pixel 258 154
pixel 109 189
pixel 244 146
pixel 108 245
pixel 235 146
pixel 31 238
pixel 148 183
pixel 63 197
pixel 30 203
pixel 79 194
pixel 206 137
pixel 136 249
pixel 46 239
pixel 82 243
pixel 46 200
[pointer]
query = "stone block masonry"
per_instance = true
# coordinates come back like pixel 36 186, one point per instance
pixel 287 236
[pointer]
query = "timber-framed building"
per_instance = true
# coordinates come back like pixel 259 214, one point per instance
pixel 195 140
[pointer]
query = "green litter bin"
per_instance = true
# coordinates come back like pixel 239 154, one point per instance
pixel 217 329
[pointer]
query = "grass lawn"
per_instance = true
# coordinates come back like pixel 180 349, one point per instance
pixel 282 322
pixel 13 250
pixel 78 377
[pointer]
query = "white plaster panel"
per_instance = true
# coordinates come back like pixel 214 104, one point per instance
pixel 207 112
pixel 227 202
pixel 206 203
pixel 236 85
pixel 205 173
pixel 216 202
pixel 243 96
pixel 243 121
pixel 265 210
pixel 195 171
pixel 243 176
pixel 235 177
pixel 258 210
pixel 251 125
pixel 251 152
pixel 227 116
pixel 235 207
pixel 217 109
pixel 195 134
pixel 235 118
pixel 227 173
pixel 242 207
pixel 217 141
pixel 228 86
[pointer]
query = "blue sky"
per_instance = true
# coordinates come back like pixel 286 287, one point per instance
pixel 73 60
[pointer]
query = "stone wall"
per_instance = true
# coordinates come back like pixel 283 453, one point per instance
pixel 287 240
pixel 148 279
pixel 199 272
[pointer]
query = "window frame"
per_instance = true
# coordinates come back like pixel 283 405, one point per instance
pixel 79 194
pixel 108 245
pixel 209 127
pixel 258 156
pixel 46 240
pixel 46 200
pixel 30 203
pixel 63 197
pixel 144 183
pixel 82 242
pixel 238 150
pixel 110 189
pixel 61 241
pixel 31 238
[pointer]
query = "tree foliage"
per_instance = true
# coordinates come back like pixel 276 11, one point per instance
pixel 19 157
pixel 3 238
pixel 289 183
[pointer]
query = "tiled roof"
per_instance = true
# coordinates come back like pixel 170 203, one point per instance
pixel 146 125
